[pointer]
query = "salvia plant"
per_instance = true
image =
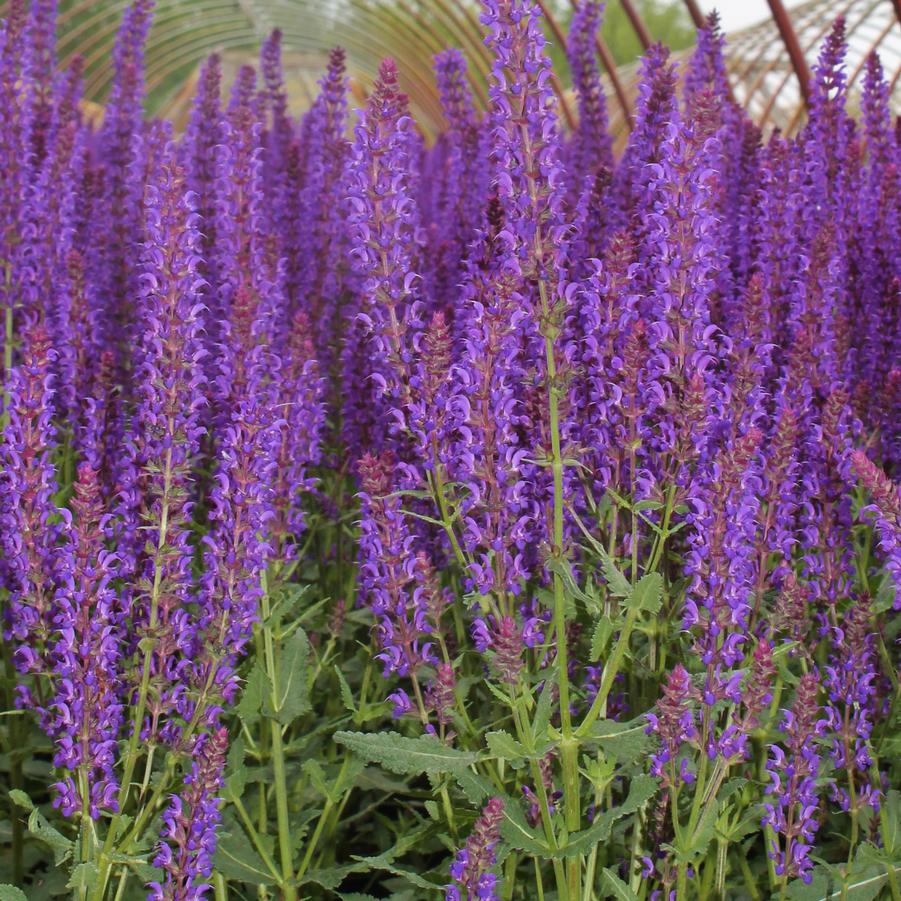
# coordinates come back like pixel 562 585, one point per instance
pixel 513 517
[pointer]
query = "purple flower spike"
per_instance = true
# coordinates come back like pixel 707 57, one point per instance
pixel 189 825
pixel 885 511
pixel 87 708
pixel 592 147
pixel 30 519
pixel 393 584
pixel 675 724
pixel 166 432
pixel 792 800
pixel 471 869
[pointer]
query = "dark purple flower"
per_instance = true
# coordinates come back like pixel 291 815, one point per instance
pixel 792 799
pixel 471 869
pixel 188 837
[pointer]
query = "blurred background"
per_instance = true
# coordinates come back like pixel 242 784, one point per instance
pixel 770 48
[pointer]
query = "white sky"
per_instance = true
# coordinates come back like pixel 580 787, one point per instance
pixel 737 14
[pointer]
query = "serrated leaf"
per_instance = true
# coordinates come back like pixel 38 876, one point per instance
pixel 236 858
pixel 641 790
pixel 409 756
pixel 11 893
pixel 818 889
pixel 316 775
pixel 543 710
pixel 648 594
pixel 503 746
pixel 891 828
pixel 256 688
pixel 290 697
pixel 518 834
pixel 236 778
pixel 617 584
pixel 346 694
pixel 625 741
pixel 83 878
pixel 329 878
pixel 55 840
pixel 603 632
pixel 572 590
pixel 20 799
pixel 476 788
pixel 696 844
pixel 615 887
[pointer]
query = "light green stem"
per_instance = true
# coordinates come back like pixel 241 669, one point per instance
pixel 289 888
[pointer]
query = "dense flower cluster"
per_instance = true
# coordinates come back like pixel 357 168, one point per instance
pixel 568 434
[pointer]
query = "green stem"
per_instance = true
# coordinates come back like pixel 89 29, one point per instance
pixel 255 837
pixel 147 647
pixel 289 889
pixel 610 670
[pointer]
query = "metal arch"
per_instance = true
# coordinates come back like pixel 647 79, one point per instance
pixel 850 30
pixel 695 12
pixel 413 72
pixel 103 41
pixel 873 47
pixel 641 30
pixel 814 41
pixel 790 39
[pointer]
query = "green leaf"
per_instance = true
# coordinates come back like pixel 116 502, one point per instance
pixel 346 694
pixel 20 799
pixel 236 780
pixel 891 830
pixel 518 834
pixel 406 755
pixel 83 878
pixel 255 690
pixel 504 746
pixel 543 710
pixel 696 844
pixel 55 840
pixel 474 787
pixel 236 858
pixel 11 893
pixel 648 594
pixel 562 569
pixel 615 887
pixel 819 888
pixel 291 696
pixel 316 775
pixel 603 632
pixel 617 584
pixel 641 790
pixel 626 741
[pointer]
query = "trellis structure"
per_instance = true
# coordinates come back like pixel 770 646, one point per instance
pixel 769 63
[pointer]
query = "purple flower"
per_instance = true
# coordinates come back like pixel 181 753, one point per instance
pixel 384 226
pixel 392 584
pixel 165 434
pixel 792 799
pixel 188 838
pixel 471 869
pixel 87 707
pixel 591 150
pixel 885 512
pixel 31 520
pixel 675 724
